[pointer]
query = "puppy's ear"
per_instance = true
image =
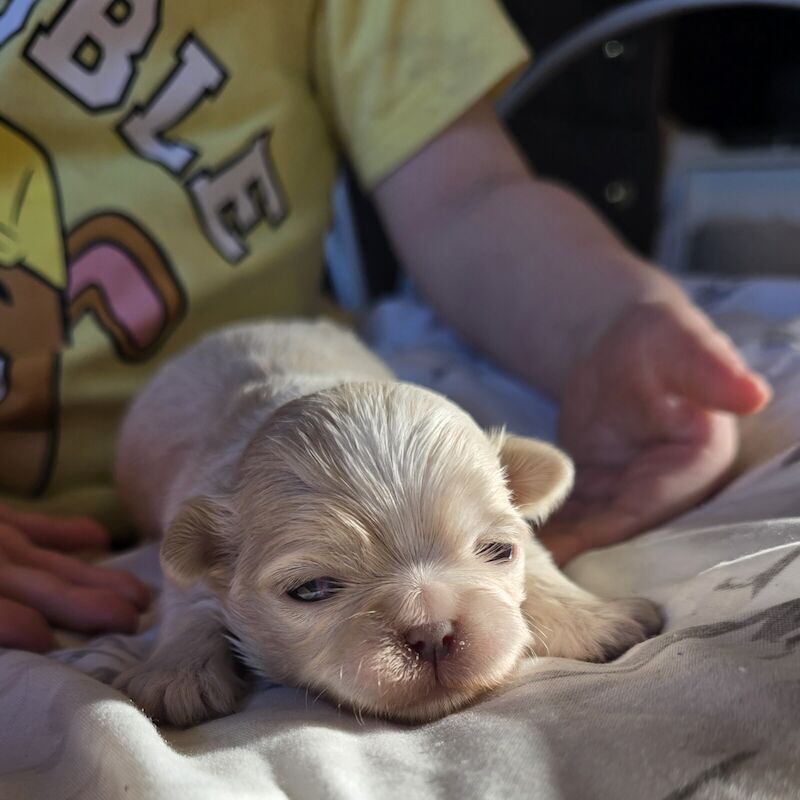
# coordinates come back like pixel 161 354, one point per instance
pixel 538 474
pixel 199 544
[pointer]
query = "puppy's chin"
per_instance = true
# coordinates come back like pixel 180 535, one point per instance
pixel 394 683
pixel 428 697
pixel 441 696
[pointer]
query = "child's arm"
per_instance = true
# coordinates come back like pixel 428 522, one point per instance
pixel 528 273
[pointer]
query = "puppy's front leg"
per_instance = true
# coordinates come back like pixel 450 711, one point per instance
pixel 190 676
pixel 569 622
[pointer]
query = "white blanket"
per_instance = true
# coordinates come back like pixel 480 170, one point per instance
pixel 708 709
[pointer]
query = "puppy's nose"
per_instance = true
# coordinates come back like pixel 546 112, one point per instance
pixel 433 642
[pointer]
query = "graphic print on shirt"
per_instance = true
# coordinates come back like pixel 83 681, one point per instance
pixel 54 270
pixel 106 266
pixel 90 50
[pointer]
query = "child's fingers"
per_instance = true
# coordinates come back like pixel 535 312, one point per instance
pixel 65 605
pixel 78 572
pixel 16 548
pixel 702 364
pixel 67 533
pixel 707 379
pixel 23 628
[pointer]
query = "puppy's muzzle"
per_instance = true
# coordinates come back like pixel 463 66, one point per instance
pixel 432 642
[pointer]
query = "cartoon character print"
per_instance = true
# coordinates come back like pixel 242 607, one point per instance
pixel 118 274
pixel 106 266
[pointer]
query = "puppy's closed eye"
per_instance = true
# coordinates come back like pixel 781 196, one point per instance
pixel 497 551
pixel 315 590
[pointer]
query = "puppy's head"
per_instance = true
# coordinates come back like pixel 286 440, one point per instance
pixel 373 548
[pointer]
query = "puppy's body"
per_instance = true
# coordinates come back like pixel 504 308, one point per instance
pixel 350 533
pixel 184 435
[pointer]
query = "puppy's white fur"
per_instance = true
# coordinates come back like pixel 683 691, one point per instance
pixel 273 454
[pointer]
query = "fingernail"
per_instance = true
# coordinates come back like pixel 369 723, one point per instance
pixel 766 389
pixel 758 379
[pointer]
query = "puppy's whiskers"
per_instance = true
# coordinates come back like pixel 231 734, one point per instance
pixel 357 615
pixel 539 635
pixel 313 702
pixel 359 714
pixel 358 669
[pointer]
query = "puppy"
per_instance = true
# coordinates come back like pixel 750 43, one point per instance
pixel 344 532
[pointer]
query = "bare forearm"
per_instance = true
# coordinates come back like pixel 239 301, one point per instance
pixel 532 276
pixel 521 268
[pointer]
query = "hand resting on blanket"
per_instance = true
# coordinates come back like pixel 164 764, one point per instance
pixel 648 417
pixel 40 587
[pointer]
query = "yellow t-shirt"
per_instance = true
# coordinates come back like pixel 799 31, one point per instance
pixel 166 167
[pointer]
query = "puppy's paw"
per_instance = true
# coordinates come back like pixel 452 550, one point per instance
pixel 591 629
pixel 622 624
pixel 183 694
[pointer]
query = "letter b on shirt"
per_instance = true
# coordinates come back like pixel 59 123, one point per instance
pixel 90 48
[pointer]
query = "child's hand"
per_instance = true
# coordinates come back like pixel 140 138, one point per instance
pixel 648 418
pixel 40 588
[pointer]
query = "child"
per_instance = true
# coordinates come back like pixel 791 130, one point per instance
pixel 166 169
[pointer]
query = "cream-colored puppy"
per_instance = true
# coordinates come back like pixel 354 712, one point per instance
pixel 342 531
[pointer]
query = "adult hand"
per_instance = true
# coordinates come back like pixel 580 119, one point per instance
pixel 649 418
pixel 42 589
